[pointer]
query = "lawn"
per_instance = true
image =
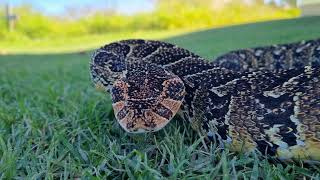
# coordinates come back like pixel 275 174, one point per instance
pixel 78 43
pixel 54 124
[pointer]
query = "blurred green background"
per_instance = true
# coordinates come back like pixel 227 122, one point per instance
pixel 47 26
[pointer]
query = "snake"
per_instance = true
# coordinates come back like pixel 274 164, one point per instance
pixel 264 99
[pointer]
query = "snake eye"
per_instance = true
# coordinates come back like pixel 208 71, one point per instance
pixel 146 98
pixel 117 67
pixel 107 65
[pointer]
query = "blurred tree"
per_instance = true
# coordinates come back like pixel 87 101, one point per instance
pixel 167 15
pixel 10 17
pixel 284 3
pixel 292 3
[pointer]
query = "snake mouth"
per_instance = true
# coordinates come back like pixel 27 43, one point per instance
pixel 145 116
pixel 148 121
pixel 137 115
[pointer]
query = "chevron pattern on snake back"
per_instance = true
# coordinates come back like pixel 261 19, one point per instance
pixel 263 99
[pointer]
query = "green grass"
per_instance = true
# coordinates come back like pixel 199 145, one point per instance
pixel 217 41
pixel 54 124
pixel 77 43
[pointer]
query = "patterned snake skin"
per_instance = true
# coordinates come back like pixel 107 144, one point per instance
pixel 263 99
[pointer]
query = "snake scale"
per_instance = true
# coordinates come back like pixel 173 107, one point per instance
pixel 263 99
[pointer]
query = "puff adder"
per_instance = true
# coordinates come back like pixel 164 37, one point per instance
pixel 263 99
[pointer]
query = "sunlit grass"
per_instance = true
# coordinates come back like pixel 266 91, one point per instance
pixel 167 15
pixel 54 124
pixel 37 33
pixel 78 43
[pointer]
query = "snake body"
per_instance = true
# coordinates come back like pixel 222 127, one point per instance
pixel 262 99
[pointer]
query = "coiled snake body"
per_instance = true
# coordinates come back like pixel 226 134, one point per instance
pixel 265 99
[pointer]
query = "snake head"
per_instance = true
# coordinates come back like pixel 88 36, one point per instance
pixel 146 97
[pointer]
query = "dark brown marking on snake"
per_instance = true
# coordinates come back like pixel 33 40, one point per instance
pixel 265 98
